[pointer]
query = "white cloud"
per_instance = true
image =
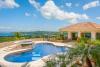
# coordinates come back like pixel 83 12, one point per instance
pixel 27 14
pixel 8 4
pixel 30 14
pixel 68 4
pixel 91 5
pixel 50 10
pixel 2 27
pixel 73 21
pixel 35 4
pixel 98 18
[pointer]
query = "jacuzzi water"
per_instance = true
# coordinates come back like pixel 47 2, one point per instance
pixel 40 50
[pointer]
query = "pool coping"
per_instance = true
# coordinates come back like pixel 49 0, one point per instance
pixel 13 64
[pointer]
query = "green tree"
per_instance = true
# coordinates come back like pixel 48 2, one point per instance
pixel 86 54
pixel 17 35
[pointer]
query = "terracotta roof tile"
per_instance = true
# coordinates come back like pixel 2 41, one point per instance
pixel 84 26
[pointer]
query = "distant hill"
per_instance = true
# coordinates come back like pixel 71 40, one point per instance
pixel 34 33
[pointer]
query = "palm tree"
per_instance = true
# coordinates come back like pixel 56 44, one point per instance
pixel 86 54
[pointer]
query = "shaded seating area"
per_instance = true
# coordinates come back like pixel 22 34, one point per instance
pixel 85 29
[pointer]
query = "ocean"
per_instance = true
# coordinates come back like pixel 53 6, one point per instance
pixel 35 33
pixel 6 34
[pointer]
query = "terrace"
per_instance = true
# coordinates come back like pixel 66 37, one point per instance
pixel 38 52
pixel 85 29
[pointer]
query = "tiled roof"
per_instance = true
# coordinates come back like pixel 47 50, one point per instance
pixel 84 27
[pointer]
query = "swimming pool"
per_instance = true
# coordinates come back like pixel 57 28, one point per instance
pixel 39 50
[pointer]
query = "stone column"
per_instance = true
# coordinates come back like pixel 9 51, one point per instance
pixel 69 36
pixel 79 34
pixel 93 35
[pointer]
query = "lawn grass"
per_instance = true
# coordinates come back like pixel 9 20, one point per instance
pixel 7 39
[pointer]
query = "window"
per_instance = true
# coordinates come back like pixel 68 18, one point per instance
pixel 98 36
pixel 87 35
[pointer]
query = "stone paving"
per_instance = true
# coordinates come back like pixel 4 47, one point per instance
pixel 39 63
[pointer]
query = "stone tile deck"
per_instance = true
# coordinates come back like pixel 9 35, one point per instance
pixel 39 63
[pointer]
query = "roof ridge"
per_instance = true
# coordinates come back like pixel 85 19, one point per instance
pixel 77 24
pixel 90 23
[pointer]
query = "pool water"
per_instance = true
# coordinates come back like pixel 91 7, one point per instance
pixel 39 50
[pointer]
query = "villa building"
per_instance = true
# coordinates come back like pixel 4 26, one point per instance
pixel 86 29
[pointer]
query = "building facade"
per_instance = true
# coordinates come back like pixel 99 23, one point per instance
pixel 86 29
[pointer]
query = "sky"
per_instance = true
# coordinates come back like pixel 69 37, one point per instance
pixel 46 15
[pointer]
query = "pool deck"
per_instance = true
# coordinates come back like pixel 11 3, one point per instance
pixel 39 63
